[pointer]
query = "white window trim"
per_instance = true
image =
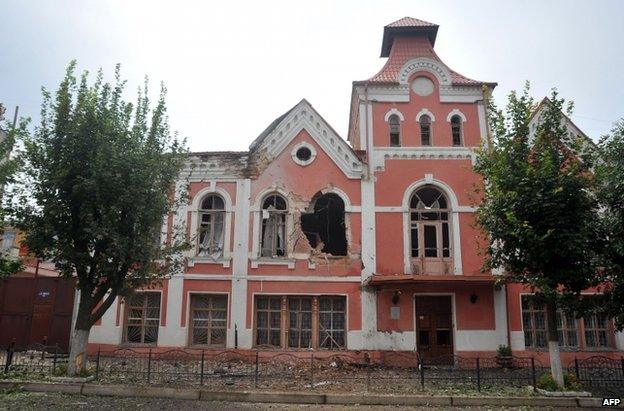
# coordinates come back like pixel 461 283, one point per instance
pixel 454 208
pixel 422 113
pixel 256 212
pixel 296 148
pixel 455 112
pixel 391 112
pixel 226 257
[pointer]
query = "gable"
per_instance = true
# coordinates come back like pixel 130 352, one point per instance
pixel 277 137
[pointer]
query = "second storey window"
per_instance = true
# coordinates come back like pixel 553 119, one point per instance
pixel 211 223
pixel 429 217
pixel 142 318
pixel 425 130
pixel 273 241
pixel 456 130
pixel 395 131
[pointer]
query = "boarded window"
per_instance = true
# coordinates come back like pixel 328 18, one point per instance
pixel 325 228
pixel 142 318
pixel 211 226
pixel 208 319
pixel 273 241
pixel 268 321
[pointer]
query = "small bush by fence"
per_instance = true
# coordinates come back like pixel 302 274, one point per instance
pixel 355 371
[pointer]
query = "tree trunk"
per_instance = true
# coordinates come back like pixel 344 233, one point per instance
pixel 77 362
pixel 553 343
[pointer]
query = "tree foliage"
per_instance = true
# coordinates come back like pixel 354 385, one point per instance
pixel 610 173
pixel 538 207
pixel 10 162
pixel 99 174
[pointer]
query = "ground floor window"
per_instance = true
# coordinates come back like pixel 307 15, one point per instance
pixel 142 318
pixel 592 331
pixel 208 319
pixel 300 322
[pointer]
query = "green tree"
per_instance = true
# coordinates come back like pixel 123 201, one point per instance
pixel 537 207
pixel 10 162
pixel 98 180
pixel 610 173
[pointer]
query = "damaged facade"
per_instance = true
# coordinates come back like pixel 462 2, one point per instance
pixel 307 241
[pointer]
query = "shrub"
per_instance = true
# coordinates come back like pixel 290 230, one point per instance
pixel 547 382
pixel 503 351
pixel 572 383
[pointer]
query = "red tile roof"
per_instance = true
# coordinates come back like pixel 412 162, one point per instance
pixel 411 22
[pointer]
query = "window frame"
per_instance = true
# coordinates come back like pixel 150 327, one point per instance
pixel 579 328
pixel 282 221
pixel 143 307
pixel 213 212
pixel 285 326
pixel 394 128
pixel 457 126
pixel 442 225
pixel 191 319
pixel 429 132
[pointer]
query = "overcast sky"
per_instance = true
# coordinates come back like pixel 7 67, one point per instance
pixel 231 67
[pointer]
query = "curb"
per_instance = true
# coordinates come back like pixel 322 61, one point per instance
pixel 297 397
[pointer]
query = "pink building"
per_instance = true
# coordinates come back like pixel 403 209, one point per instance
pixel 308 241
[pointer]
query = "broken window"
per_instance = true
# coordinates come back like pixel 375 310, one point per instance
pixel 325 227
pixel 142 318
pixel 273 242
pixel 425 130
pixel 332 322
pixel 395 131
pixel 211 223
pixel 300 319
pixel 429 226
pixel 208 319
pixel 456 130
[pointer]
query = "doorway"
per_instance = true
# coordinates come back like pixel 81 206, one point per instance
pixel 434 327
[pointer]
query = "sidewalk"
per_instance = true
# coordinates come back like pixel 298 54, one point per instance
pixel 296 397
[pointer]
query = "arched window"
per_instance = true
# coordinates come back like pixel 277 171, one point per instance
pixel 429 225
pixel 211 226
pixel 395 130
pixel 425 130
pixel 456 130
pixel 273 241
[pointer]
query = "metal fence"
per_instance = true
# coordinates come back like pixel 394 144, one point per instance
pixel 392 372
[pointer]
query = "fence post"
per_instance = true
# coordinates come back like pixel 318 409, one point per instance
pixel 97 365
pixel 201 370
pixel 312 371
pixel 9 357
pixel 478 375
pixel 368 376
pixel 533 373
pixel 149 365
pixel 622 364
pixel 256 370
pixel 54 358
pixel 576 369
pixel 421 362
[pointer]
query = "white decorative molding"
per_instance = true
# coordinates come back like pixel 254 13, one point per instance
pixel 422 113
pixel 460 94
pixel 226 256
pixel 391 112
pixel 297 160
pixel 382 154
pixel 434 67
pixel 304 117
pixel 455 112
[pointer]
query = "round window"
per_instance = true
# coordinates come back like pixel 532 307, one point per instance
pixel 304 154
pixel 422 86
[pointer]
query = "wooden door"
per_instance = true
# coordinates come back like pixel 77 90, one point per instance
pixel 43 309
pixel 434 328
